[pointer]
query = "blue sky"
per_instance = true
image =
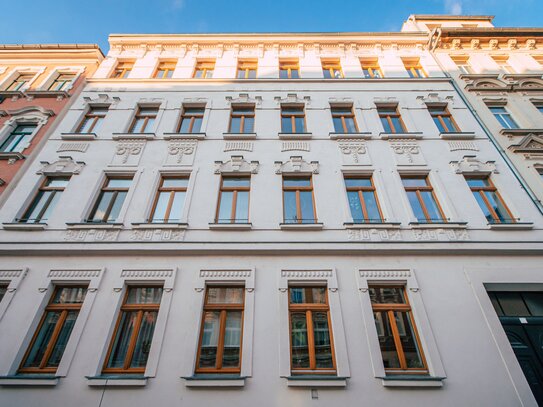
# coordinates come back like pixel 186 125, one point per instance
pixel 68 21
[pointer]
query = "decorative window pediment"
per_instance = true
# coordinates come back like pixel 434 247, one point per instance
pixel 293 99
pixel 298 165
pixel 63 166
pixel 435 99
pixel 486 83
pixel 244 99
pixel 102 99
pixel 530 145
pixel 472 165
pixel 237 165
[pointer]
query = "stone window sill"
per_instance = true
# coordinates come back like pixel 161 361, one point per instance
pixel 239 136
pixel 400 136
pixel 116 381
pixel 520 132
pixel 316 381
pixel 151 225
pixel 24 226
pixel 184 136
pixel 295 136
pixel 411 381
pixel 214 380
pixel 11 156
pixel 29 380
pixel 458 135
pixel 441 225
pixel 301 226
pixel 143 136
pixel 86 225
pixel 11 93
pixel 47 93
pixel 511 226
pixel 230 226
pixel 381 225
pixel 78 136
pixel 340 136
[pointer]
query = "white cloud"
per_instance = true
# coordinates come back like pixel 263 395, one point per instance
pixel 453 6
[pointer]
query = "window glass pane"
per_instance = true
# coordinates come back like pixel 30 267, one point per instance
pixel 416 206
pixel 483 206
pixel 176 210
pixel 175 182
pixel 398 127
pixel 225 207
pixel 37 206
pixel 439 125
pixel 496 204
pixel 323 348
pixel 224 295
pixel 137 127
pixel 338 125
pixel 534 302
pixel 117 205
pixel 3 290
pixel 351 127
pixel 122 340
pixel 307 295
pixel 248 125
pixel 496 304
pixel 51 206
pixel 242 206
pixel 386 125
pixel 431 206
pixel 296 182
pixel 410 346
pixel 86 124
pixel 185 125
pixel 62 340
pixel 210 339
pixel 294 74
pixel 235 125
pixel 35 356
pixel 145 337
pixel 386 295
pixel 358 182
pixel 414 182
pixel 103 204
pixel 289 204
pixel 386 340
pixel 474 182
pixel 512 304
pixel 232 339
pixel 197 125
pixel 119 183
pixel 286 124
pixel 144 295
pixel 236 182
pixel 69 295
pixel 306 205
pixel 298 340
pixel 371 206
pixel 449 123
pixel 150 125
pixel 327 74
pixel 160 209
pixel 252 74
pixel 355 205
pixel 300 124
pixel 57 182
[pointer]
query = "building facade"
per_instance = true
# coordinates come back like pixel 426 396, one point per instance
pixel 281 219
pixel 36 83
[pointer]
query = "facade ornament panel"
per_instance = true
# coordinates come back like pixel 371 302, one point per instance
pixel 512 43
pixel 435 98
pixel 64 165
pixel 354 152
pixel 376 235
pixel 181 152
pixel 441 234
pixel 475 44
pixel 531 44
pixel 244 98
pixel 102 98
pixel 237 164
pixel 78 147
pixel 407 152
pixel 296 164
pixel 295 145
pixel 494 44
pixel 456 44
pixel 128 152
pixel 292 98
pixel 238 145
pixel 91 235
pixel 472 165
pixel 157 235
pixel 462 145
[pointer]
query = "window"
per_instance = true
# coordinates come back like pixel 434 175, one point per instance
pixel 363 200
pixel 310 334
pixel 443 119
pixel 45 200
pixel 331 69
pixel 489 200
pixel 20 81
pixel 219 349
pixel 298 205
pixel 504 117
pixel 191 120
pixel 391 119
pixel 247 69
pixel 165 70
pixel 414 68
pixel 133 335
pixel 242 119
pixel 371 68
pixel 62 82
pixel 123 69
pixel 398 338
pixel 18 139
pixel 3 290
pixel 204 69
pixel 144 120
pixel 343 118
pixel 234 200
pixel 517 303
pixel 538 59
pixel 463 65
pixel 93 120
pixel 422 199
pixel 168 206
pixel 539 107
pixel 111 199
pixel 292 119
pixel 503 63
pixel 51 337
pixel 289 69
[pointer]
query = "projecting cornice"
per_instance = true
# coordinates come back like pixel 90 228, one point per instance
pixel 493 39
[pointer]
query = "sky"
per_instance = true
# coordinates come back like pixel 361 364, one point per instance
pixel 79 21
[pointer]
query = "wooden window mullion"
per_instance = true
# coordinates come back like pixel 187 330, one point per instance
pixel 310 340
pixel 488 205
pixel 423 205
pixel 234 204
pixel 133 339
pixel 298 207
pixel 363 204
pixel 397 339
pixel 54 337
pixel 110 206
pixel 220 345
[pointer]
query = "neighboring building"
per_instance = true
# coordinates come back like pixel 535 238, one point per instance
pixel 36 83
pixel 280 219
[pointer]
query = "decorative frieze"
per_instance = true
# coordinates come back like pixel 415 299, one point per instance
pixel 441 234
pixel 373 235
pixel 407 152
pixel 295 146
pixel 238 145
pixel 73 274
pixel 128 152
pixel 157 235
pixel 462 145
pixel 181 152
pixel 147 274
pixel 91 235
pixel 385 274
pixel 10 274
pixel 225 274
pixel 307 274
pixel 78 147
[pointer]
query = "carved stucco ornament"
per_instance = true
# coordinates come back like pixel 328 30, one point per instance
pixel 236 164
pixel 296 164
pixel 64 165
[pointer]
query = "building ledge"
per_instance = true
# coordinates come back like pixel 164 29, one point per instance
pixel 11 93
pixel 215 380
pixel 439 225
pixel 231 226
pixel 412 381
pixel 184 136
pixel 143 136
pixel 316 381
pixel 519 132
pixel 239 136
pixel 511 226
pixel 295 136
pixel 400 136
pixel 24 226
pixel 78 136
pixel 370 225
pixel 29 380
pixel 11 156
pixel 117 380
pixel 339 136
pixel 458 135
pixel 47 93
pixel 90 225
pixel 301 226
pixel 164 225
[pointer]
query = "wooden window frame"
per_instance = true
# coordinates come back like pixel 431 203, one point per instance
pixel 105 188
pixel 298 189
pixel 223 308
pixel 343 116
pixel 247 65
pixel 390 308
pixel 165 67
pixel 309 308
pixel 361 190
pixel 490 188
pixel 192 118
pixel 91 114
pixel 141 308
pixel 299 112
pixel 172 191
pixel 289 65
pixel 122 69
pixel 63 308
pixel 43 187
pixel 64 82
pixel 414 68
pixel 205 66
pixel 443 112
pixel 332 65
pixel 427 188
pixel 29 77
pixel 22 134
pixel 235 190
pixel 145 118
pixel 388 115
pixel 242 116
pixel 372 66
pixel 4 287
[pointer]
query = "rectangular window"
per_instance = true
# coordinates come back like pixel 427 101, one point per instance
pixel 123 69
pixel 110 201
pixel 221 334
pixel 204 69
pixel 133 335
pixel 390 119
pixel 3 291
pixel 422 199
pixel 93 120
pixel 165 70
pixel 247 69
pixel 371 68
pixel 292 119
pixel 20 81
pixel 18 138
pixel 298 205
pixel 398 338
pixel 503 63
pixel 191 120
pixel 49 342
pixel 242 119
pixel 539 107
pixel 489 200
pixel 517 304
pixel 234 200
pixel 363 200
pixel 289 69
pixel 62 82
pixel 463 65
pixel 331 69
pixel 443 119
pixel 45 200
pixel 311 346
pixel 169 201
pixel 414 68
pixel 504 117
pixel 144 120
pixel 343 118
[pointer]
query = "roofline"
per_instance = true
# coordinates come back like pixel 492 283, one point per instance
pixel 55 47
pixel 490 31
pixel 449 17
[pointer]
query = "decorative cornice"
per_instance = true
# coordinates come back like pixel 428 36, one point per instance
pixel 385 274
pixel 71 274
pixel 307 274
pixel 147 274
pixel 225 274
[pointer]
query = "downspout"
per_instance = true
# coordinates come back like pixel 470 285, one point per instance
pixel 432 45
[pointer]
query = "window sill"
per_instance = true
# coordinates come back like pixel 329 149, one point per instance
pixel 340 136
pixel 458 135
pixel 511 226
pixel 301 226
pixel 295 136
pixel 47 93
pixel 29 380
pixel 316 381
pixel 184 136
pixel 381 225
pixel 116 381
pixel 239 136
pixel 11 156
pixel 142 136
pixel 151 225
pixel 215 380
pixel 411 381
pixel 24 226
pixel 88 225
pixel 11 93
pixel 519 132
pixel 78 136
pixel 440 225
pixel 400 136
pixel 231 226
